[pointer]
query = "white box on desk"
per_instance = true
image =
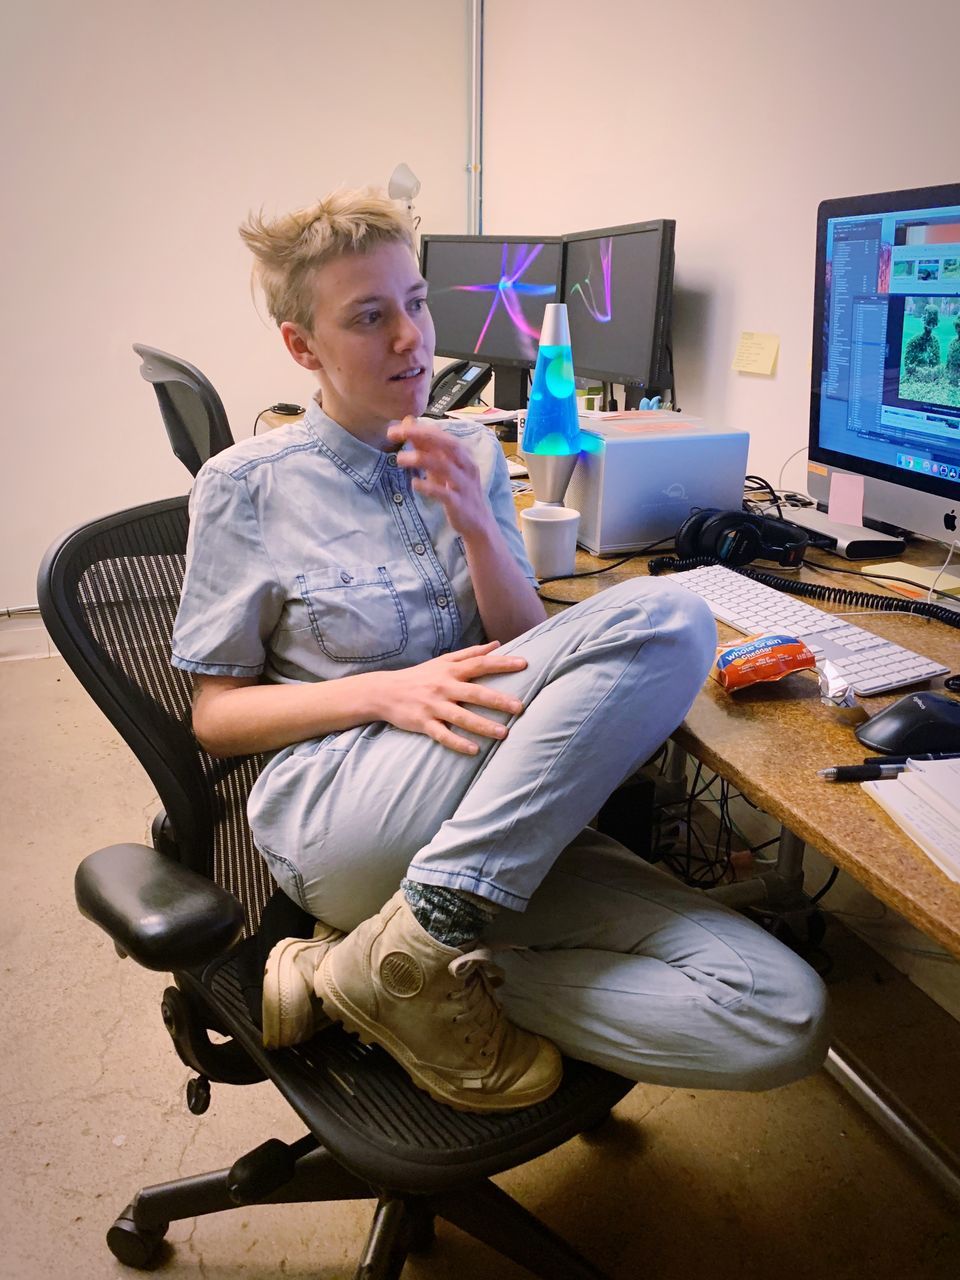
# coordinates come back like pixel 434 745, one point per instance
pixel 649 474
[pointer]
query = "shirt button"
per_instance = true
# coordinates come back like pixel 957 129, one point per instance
pixel 398 499
pixel 391 460
pixel 344 576
pixel 419 548
pixel 442 601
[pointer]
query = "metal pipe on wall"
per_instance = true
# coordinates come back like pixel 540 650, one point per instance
pixel 475 153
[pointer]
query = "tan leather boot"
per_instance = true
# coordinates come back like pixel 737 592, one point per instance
pixel 292 1011
pixel 432 1008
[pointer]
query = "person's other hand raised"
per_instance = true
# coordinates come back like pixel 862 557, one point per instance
pixel 447 472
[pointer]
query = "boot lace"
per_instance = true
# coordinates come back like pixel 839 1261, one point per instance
pixel 480 974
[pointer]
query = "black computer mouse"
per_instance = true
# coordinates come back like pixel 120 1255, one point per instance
pixel 919 722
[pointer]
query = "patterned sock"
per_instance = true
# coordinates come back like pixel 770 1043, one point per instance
pixel 451 916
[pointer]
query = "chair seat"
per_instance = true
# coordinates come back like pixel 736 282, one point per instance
pixel 367 1112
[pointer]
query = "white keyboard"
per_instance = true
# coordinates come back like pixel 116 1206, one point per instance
pixel 870 663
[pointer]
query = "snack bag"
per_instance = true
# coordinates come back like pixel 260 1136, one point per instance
pixel 760 658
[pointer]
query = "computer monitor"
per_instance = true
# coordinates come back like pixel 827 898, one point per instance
pixel 487 294
pixel 618 287
pixel 885 400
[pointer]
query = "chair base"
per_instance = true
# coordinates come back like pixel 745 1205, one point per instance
pixel 402 1223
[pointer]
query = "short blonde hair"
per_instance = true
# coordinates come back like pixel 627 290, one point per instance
pixel 289 249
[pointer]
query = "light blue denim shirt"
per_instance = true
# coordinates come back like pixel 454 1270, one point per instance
pixel 310 556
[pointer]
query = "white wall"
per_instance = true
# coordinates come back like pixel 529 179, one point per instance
pixel 137 135
pixel 736 119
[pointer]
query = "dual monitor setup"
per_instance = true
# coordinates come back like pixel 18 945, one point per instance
pixel 885 387
pixel 488 295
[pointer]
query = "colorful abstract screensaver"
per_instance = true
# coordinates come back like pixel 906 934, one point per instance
pixel 509 293
pixel 487 296
pixel 595 290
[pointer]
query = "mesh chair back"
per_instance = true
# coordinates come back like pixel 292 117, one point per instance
pixel 192 412
pixel 109 593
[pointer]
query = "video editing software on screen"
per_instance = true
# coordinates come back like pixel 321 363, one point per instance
pixel 890 387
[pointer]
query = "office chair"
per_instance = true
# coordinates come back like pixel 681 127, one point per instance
pixel 192 412
pixel 192 904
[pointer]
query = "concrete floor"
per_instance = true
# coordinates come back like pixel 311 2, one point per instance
pixel 791 1184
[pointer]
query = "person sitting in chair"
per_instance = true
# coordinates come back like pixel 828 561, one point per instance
pixel 358 605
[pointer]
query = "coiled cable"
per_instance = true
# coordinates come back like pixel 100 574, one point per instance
pixel 817 590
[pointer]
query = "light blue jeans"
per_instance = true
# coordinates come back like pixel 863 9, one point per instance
pixel 618 964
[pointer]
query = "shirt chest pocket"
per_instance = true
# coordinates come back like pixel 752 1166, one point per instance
pixel 355 612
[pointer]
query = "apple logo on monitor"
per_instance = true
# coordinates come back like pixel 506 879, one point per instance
pixel 950 521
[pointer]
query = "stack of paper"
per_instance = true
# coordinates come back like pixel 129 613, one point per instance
pixel 477 413
pixel 925 802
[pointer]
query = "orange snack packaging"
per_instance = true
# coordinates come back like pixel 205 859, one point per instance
pixel 761 658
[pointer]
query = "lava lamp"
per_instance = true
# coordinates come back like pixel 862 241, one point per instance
pixel 551 435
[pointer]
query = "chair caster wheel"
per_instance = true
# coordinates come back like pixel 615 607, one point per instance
pixel 132 1245
pixel 198 1094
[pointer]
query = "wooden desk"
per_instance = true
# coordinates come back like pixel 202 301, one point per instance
pixel 770 740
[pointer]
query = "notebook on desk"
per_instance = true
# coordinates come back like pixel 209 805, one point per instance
pixel 923 802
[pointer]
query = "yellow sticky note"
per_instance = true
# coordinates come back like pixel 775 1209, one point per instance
pixel 926 575
pixel 756 353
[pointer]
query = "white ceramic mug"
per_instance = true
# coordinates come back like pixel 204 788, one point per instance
pixel 550 536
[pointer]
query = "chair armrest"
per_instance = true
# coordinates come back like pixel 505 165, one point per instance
pixel 164 915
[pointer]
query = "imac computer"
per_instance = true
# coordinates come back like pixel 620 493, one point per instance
pixel 885 400
pixel 618 287
pixel 487 296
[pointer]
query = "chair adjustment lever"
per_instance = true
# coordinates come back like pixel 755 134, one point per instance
pixel 223 1061
pixel 266 1168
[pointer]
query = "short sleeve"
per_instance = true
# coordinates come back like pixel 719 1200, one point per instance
pixel 231 601
pixel 505 512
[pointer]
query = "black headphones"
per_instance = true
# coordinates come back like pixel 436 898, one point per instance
pixel 737 537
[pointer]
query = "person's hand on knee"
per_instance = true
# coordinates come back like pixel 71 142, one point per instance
pixel 434 697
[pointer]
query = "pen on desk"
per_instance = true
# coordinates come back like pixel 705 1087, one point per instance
pixel 860 772
pixel 933 755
